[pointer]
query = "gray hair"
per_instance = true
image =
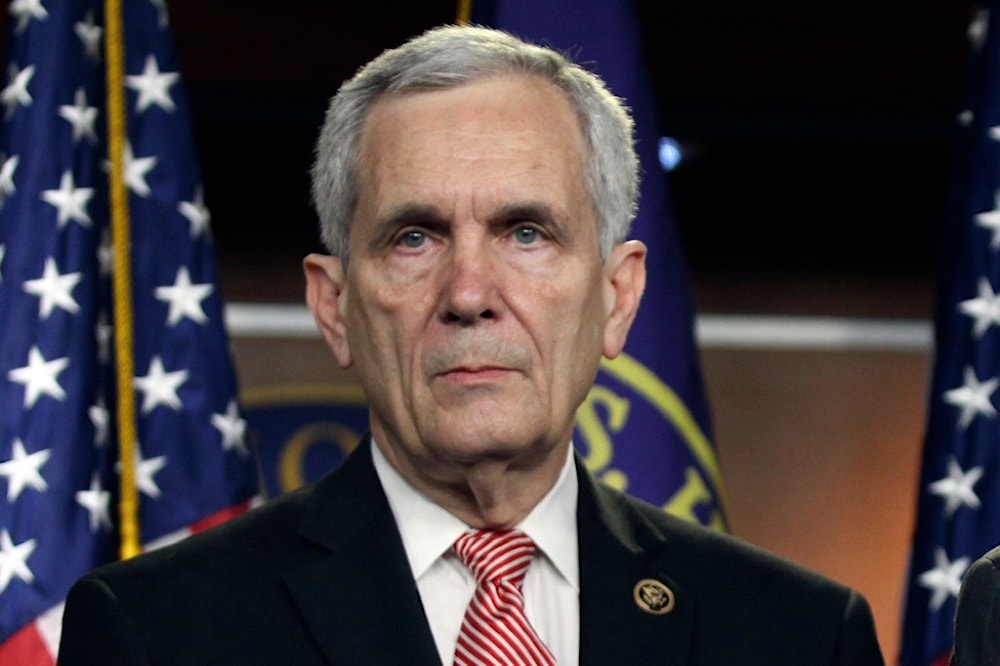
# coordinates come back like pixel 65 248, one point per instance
pixel 447 57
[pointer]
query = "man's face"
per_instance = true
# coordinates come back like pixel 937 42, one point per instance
pixel 475 307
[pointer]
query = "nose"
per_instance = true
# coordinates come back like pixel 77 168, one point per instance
pixel 470 292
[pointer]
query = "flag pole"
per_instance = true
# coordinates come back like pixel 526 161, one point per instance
pixel 122 279
pixel 464 12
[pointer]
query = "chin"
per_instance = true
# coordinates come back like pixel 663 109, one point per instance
pixel 468 447
pixel 462 449
pixel 499 431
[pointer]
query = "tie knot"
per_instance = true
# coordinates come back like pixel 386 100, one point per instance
pixel 496 555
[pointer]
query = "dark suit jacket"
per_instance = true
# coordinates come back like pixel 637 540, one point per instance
pixel 977 622
pixel 319 576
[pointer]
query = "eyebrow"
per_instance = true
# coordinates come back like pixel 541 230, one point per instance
pixel 526 210
pixel 404 215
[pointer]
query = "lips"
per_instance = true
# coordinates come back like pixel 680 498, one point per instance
pixel 476 374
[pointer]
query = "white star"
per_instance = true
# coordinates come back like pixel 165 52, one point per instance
pixel 14 560
pixel 16 93
pixel 233 429
pixel 81 117
pixel 90 35
pixel 103 333
pixel 100 418
pixel 956 488
pixel 965 117
pixel 184 298
pixel 945 579
pixel 7 177
pixel 71 201
pixel 990 219
pixel 153 86
pixel 105 254
pixel 196 213
pixel 26 10
pixel 979 28
pixel 24 470
pixel 973 397
pixel 985 308
pixel 161 9
pixel 95 500
pixel 54 289
pixel 145 470
pixel 136 169
pixel 3 253
pixel 160 387
pixel 39 377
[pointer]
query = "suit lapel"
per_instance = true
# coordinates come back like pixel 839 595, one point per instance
pixel 358 597
pixel 618 552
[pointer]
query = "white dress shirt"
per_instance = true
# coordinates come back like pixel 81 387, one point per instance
pixel 551 586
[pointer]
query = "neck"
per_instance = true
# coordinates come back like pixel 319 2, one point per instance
pixel 491 493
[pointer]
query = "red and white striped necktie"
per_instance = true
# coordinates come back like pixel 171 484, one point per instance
pixel 495 631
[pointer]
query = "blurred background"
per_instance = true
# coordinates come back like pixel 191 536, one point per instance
pixel 815 139
pixel 815 143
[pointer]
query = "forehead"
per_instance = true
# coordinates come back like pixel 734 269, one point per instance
pixel 511 136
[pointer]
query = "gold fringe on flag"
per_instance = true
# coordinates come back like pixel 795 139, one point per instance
pixel 464 13
pixel 122 279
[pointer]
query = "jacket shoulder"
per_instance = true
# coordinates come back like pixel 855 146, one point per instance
pixel 743 601
pixel 249 542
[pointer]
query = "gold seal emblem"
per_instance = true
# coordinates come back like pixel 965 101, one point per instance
pixel 653 596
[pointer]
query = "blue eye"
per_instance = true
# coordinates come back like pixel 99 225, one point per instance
pixel 413 239
pixel 527 235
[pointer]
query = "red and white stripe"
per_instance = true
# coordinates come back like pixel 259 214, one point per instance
pixel 496 631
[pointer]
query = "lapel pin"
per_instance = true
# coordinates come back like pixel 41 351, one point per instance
pixel 653 596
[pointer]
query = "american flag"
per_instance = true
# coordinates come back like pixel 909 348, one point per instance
pixel 958 512
pixel 646 427
pixel 59 477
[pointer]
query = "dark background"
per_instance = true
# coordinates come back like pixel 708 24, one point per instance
pixel 817 134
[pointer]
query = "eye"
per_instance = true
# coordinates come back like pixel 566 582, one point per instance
pixel 413 239
pixel 527 235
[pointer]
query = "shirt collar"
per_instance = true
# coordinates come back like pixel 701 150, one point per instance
pixel 428 531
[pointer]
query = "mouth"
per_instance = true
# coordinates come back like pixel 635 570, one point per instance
pixel 474 359
pixel 476 374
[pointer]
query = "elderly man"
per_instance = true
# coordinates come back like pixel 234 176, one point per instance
pixel 475 193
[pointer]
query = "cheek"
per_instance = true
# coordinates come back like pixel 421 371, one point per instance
pixel 369 330
pixel 384 332
pixel 567 324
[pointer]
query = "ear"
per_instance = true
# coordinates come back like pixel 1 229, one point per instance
pixel 625 271
pixel 326 295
